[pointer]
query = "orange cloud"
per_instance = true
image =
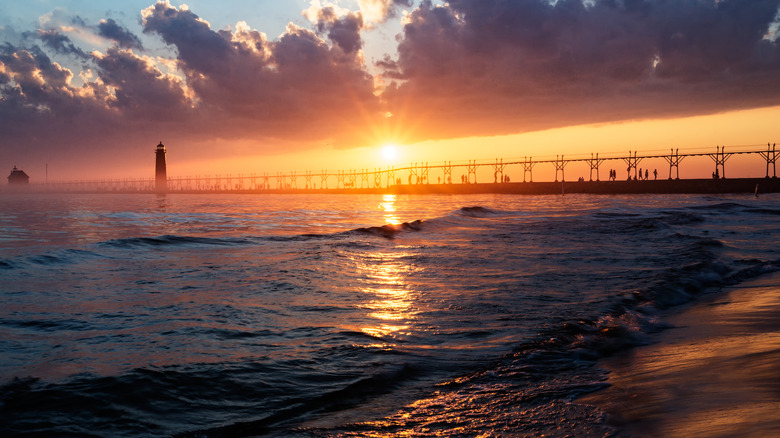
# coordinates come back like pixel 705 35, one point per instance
pixel 487 67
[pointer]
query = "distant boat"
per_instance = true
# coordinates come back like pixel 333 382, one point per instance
pixel 18 177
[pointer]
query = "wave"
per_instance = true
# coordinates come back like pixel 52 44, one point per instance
pixel 455 219
pixel 271 394
pixel 477 211
pixel 46 259
pixel 680 218
pixel 49 259
pixel 70 256
pixel 172 240
pixel 683 284
pixel 389 230
pixel 251 398
pixel 735 207
pixel 720 207
pixel 386 231
pixel 631 319
pixel 559 364
pixel 48 325
pixel 338 399
pixel 764 211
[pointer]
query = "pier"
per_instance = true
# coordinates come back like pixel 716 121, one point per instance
pixel 475 177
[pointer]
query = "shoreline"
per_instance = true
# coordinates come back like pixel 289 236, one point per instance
pixel 715 373
pixel 618 187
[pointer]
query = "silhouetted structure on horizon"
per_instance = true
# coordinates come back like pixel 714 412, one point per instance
pixel 18 177
pixel 160 171
pixel 420 175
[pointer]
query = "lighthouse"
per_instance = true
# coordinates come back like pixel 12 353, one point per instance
pixel 18 176
pixel 160 172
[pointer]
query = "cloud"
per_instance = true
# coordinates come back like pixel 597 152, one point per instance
pixel 486 67
pixel 59 43
pixel 140 89
pixel 297 88
pixel 378 11
pixel 344 31
pixel 124 38
pixel 40 111
pixel 234 85
pixel 463 68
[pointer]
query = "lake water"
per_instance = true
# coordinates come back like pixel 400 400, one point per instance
pixel 346 315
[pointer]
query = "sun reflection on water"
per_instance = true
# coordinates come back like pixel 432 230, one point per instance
pixel 388 205
pixel 391 305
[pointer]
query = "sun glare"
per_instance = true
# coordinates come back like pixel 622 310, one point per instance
pixel 390 152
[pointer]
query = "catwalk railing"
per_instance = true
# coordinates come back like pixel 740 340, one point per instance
pixel 415 173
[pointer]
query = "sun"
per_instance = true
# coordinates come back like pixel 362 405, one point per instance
pixel 390 152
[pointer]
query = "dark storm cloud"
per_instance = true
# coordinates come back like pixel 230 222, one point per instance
pixel 142 91
pixel 44 114
pixel 41 82
pixel 226 84
pixel 40 112
pixel 344 31
pixel 60 43
pixel 495 66
pixel 124 38
pixel 199 48
pixel 127 82
pixel 469 67
pixel 297 87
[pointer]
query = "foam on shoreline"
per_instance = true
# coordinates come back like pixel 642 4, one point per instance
pixel 714 374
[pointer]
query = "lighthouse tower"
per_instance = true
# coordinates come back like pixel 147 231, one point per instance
pixel 160 172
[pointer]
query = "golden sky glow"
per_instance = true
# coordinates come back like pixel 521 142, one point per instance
pixel 738 130
pixel 390 154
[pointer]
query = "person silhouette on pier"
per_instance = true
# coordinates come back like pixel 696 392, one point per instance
pixel 647 175
pixel 655 174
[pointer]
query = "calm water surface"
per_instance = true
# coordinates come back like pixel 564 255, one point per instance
pixel 346 315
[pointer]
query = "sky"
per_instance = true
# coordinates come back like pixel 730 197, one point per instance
pixel 88 88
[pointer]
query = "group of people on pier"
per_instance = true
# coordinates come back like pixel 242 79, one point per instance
pixel 639 175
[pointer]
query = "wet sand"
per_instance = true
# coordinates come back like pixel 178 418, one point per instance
pixel 715 374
